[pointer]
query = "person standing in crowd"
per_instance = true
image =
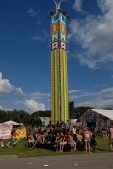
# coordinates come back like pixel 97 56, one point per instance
pixel 93 142
pixel 104 133
pixel 80 140
pixel 74 130
pixel 87 139
pixel 111 137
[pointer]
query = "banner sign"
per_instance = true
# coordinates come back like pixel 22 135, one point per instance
pixel 5 131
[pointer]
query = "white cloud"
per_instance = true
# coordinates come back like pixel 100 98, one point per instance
pixel 5 86
pixel 32 12
pixel 33 106
pixel 1 107
pixel 40 95
pixel 98 103
pixel 104 5
pixel 73 91
pixel 97 99
pixel 20 91
pixel 40 38
pixel 105 93
pixel 94 35
pixel 78 5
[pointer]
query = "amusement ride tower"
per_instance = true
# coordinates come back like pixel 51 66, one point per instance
pixel 59 79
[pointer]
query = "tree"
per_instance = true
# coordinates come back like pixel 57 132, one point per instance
pixel 81 110
pixel 46 113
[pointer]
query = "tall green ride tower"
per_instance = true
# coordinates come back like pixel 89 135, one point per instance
pixel 59 79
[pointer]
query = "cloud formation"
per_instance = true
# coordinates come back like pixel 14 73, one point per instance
pixel 32 12
pixel 40 38
pixel 5 86
pixel 33 106
pixel 20 91
pixel 98 103
pixel 1 107
pixel 78 5
pixel 97 99
pixel 73 91
pixel 40 95
pixel 94 36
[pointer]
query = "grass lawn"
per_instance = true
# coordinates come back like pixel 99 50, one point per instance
pixel 21 151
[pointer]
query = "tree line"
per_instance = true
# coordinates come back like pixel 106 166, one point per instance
pixel 21 116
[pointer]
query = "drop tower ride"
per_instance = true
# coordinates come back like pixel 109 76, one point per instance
pixel 59 78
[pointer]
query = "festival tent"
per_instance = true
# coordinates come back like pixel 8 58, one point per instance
pixel 73 121
pixel 106 113
pixel 13 123
pixel 45 120
pixel 97 118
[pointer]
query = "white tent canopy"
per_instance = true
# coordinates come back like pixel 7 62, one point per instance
pixel 46 120
pixel 106 113
pixel 11 123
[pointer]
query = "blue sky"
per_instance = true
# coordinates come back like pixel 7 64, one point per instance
pixel 25 53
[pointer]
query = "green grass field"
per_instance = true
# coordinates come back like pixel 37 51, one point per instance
pixel 21 151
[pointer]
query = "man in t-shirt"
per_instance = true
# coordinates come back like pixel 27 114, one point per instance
pixel 111 137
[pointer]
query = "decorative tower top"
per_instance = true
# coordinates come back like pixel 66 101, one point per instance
pixel 58 5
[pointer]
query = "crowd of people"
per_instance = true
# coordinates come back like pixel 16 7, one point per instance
pixel 63 136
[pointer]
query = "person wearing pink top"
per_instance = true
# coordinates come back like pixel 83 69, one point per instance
pixel 111 137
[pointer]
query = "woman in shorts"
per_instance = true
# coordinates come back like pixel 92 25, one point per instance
pixel 87 139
